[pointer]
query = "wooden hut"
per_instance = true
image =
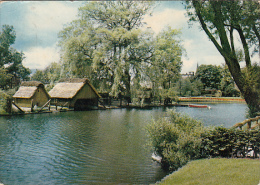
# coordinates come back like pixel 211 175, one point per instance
pixel 31 93
pixel 77 93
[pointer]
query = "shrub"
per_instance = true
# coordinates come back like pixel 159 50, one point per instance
pixel 5 100
pixel 176 138
pixel 179 138
pixel 224 142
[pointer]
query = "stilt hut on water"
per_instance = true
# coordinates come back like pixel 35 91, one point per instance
pixel 77 93
pixel 31 93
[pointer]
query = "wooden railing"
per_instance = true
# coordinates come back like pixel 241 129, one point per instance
pixel 252 123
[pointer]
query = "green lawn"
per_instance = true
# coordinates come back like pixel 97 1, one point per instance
pixel 217 172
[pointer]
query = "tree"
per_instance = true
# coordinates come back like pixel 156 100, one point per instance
pixel 4 78
pixel 49 75
pixel 221 20
pixel 227 84
pixel 105 43
pixel 40 76
pixel 209 75
pixel 10 58
pixel 164 69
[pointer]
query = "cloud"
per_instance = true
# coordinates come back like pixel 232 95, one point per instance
pixel 200 51
pixel 43 21
pixel 188 65
pixel 49 15
pixel 198 48
pixel 171 17
pixel 40 58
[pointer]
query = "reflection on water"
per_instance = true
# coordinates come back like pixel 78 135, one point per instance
pixel 91 147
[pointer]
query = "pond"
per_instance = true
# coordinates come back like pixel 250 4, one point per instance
pixel 90 147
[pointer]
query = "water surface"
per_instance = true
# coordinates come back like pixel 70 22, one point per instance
pixel 90 147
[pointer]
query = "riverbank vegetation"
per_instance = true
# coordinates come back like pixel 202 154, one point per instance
pixel 178 139
pixel 216 171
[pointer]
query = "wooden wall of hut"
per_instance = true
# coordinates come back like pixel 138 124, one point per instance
pixel 28 96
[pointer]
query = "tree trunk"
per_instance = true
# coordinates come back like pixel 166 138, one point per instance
pixel 250 94
pixel 128 87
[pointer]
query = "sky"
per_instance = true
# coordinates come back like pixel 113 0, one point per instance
pixel 37 24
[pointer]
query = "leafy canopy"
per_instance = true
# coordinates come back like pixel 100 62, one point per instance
pixel 107 45
pixel 10 58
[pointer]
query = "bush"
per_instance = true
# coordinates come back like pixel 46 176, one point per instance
pixel 224 142
pixel 5 100
pixel 176 138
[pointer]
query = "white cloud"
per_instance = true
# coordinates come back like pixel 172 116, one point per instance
pixel 49 15
pixel 43 21
pixel 197 45
pixel 189 65
pixel 40 58
pixel 172 17
pixel 200 52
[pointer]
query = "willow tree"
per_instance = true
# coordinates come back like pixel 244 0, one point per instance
pixel 222 21
pixel 165 67
pixel 105 43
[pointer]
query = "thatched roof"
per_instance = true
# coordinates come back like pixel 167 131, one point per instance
pixel 31 83
pixel 68 88
pixel 74 80
pixel 27 89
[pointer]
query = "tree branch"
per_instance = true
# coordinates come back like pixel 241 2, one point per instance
pixel 197 7
pixel 245 46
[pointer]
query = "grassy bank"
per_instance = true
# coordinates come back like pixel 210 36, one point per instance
pixel 216 171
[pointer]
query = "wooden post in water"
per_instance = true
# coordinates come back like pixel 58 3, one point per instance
pixel 56 102
pixel 249 125
pixel 32 105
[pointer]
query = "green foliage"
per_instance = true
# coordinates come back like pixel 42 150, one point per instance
pixel 166 63
pixel 5 78
pixel 209 75
pixel 227 84
pixel 5 101
pixel 252 80
pixel 189 87
pixel 39 76
pixel 10 58
pixel 197 87
pixel 176 138
pixel 107 45
pixel 49 75
pixel 224 142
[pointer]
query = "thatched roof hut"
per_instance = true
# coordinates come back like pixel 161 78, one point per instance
pixel 76 92
pixel 31 93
